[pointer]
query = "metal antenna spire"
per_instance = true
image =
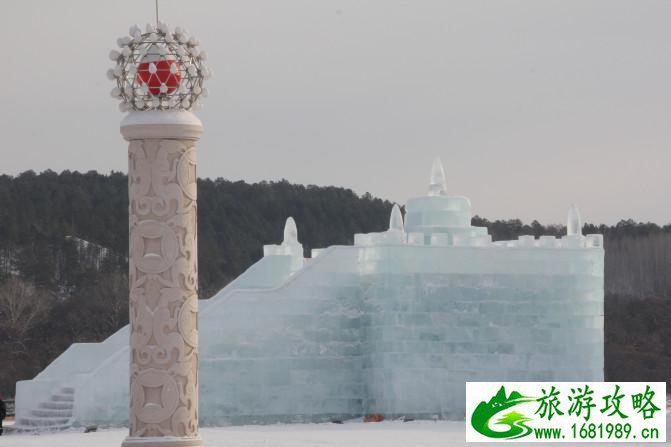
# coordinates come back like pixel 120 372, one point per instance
pixel 156 2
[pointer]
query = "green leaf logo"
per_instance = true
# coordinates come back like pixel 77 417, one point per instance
pixel 500 403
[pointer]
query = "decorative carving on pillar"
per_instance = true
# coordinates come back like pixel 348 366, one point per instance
pixel 163 288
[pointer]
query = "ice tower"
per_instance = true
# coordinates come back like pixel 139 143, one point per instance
pixel 394 324
pixel 439 219
pixel 289 254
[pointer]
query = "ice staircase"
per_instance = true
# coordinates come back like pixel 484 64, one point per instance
pixel 53 414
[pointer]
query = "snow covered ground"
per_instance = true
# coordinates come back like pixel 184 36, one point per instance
pixel 352 434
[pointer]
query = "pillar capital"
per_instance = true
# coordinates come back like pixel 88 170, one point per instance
pixel 161 124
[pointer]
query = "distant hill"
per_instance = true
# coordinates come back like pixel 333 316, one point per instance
pixel 64 248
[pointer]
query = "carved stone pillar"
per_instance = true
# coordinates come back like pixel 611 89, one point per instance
pixel 163 274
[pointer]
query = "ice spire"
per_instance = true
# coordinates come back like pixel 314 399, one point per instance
pixel 438 184
pixel 396 219
pixel 290 231
pixel 573 223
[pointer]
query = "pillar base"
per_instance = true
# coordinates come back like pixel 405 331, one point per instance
pixel 161 441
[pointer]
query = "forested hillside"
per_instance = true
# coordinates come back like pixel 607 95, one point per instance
pixel 64 245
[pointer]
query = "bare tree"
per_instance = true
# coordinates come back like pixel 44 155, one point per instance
pixel 111 291
pixel 22 307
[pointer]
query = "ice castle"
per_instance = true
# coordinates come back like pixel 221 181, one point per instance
pixel 394 324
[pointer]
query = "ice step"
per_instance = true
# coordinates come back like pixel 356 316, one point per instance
pixel 51 413
pixel 57 405
pixel 63 398
pixel 67 390
pixel 16 428
pixel 41 422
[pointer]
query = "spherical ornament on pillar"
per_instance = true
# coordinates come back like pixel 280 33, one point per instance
pixel 161 69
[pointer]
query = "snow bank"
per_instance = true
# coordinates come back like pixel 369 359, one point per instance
pixel 351 434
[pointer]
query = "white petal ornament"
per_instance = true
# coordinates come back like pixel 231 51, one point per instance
pixel 135 31
pixel 164 28
pixel 122 41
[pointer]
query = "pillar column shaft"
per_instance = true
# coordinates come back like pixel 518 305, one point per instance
pixel 163 275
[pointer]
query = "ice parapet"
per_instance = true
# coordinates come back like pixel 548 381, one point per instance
pixel 396 219
pixel 290 231
pixel 394 235
pixel 438 183
pixel 394 324
pixel 290 245
pixel 438 213
pixel 573 223
pixel 574 237
pixel 290 248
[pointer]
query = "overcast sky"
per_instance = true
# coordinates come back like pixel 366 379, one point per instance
pixel 531 104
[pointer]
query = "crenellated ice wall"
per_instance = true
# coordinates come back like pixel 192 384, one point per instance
pixel 401 333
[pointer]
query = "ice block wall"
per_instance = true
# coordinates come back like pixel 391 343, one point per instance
pixel 399 329
pixel 472 314
pixel 287 354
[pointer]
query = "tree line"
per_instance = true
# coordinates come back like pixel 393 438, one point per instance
pixel 64 251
